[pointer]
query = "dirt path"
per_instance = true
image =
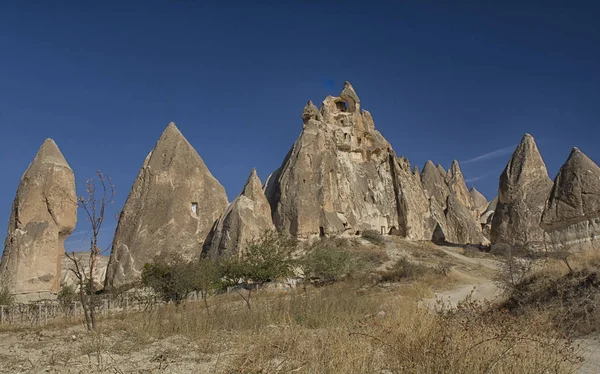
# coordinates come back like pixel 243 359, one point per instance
pixel 478 286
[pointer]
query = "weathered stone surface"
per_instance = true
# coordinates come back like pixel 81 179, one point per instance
pixel 458 187
pixel 434 184
pixel 461 228
pixel 414 216
pixel 173 204
pixel 522 192
pixel 246 219
pixel 67 277
pixel 339 175
pixel 442 170
pixel 44 214
pixel 492 205
pixel 480 203
pixel 571 216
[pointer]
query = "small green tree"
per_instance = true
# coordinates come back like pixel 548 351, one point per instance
pixel 265 259
pixel 171 277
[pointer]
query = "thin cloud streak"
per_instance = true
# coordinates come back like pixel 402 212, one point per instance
pixel 491 155
pixel 477 178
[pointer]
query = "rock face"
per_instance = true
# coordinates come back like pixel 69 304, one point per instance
pixel 461 228
pixel 67 278
pixel 44 214
pixel 246 219
pixel 480 203
pixel 522 192
pixel 451 206
pixel 173 204
pixel 434 183
pixel 340 175
pixel 571 216
pixel 414 216
pixel 458 186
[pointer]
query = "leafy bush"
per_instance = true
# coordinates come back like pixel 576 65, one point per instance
pixel 174 279
pixel 265 259
pixel 373 236
pixel 6 298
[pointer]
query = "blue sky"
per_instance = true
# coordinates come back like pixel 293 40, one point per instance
pixel 443 82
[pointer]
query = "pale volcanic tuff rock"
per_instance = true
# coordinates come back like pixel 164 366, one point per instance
pixel 522 192
pixel 458 187
pixel 571 216
pixel 173 204
pixel 246 219
pixel 461 228
pixel 434 183
pixel 414 216
pixel 339 175
pixel 44 214
pixel 480 203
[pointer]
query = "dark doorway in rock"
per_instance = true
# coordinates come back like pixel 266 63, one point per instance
pixel 438 235
pixel 342 106
pixel 321 231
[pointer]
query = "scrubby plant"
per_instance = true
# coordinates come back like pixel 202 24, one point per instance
pixel 404 269
pixel 324 265
pixel 373 236
pixel 66 296
pixel 6 298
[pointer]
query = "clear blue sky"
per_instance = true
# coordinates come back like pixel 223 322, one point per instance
pixel 442 81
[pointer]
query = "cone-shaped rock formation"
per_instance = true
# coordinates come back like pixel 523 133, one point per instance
pixel 44 214
pixel 480 203
pixel 341 175
pixel 571 217
pixel 246 219
pixel 172 206
pixel 522 192
pixel 458 186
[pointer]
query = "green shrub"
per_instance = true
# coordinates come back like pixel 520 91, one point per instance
pixel 6 298
pixel 265 259
pixel 373 236
pixel 67 295
pixel 325 265
pixel 173 278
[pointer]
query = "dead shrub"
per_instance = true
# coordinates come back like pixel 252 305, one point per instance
pixel 404 270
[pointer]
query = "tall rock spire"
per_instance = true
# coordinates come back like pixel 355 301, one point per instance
pixel 458 186
pixel 172 206
pixel 571 216
pixel 522 192
pixel 246 219
pixel 44 214
pixel 340 175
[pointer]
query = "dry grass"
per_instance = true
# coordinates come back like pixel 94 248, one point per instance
pixel 569 299
pixel 342 329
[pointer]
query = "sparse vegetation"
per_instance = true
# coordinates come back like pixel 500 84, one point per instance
pixel 405 270
pixel 373 236
pixel 6 298
pixel 171 277
pixel 94 204
pixel 266 259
